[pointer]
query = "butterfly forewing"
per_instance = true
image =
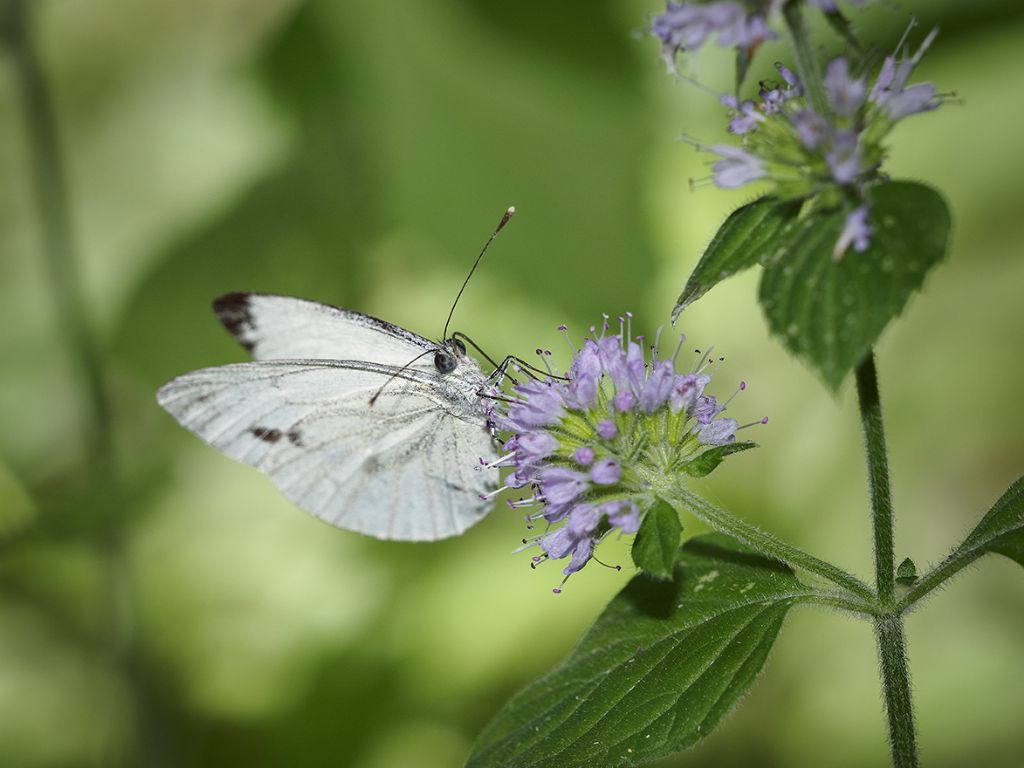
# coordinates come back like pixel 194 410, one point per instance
pixel 405 468
pixel 282 327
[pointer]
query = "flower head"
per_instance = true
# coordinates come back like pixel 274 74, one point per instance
pixel 830 151
pixel 593 447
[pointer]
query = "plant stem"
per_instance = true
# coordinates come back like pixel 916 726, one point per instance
pixel 896 687
pixel 806 60
pixel 878 479
pixel 61 258
pixel 844 601
pixel 889 625
pixel 59 250
pixel 723 521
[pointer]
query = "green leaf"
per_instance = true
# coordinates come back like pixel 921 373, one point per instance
pixel 906 573
pixel 663 664
pixel 741 242
pixel 830 312
pixel 657 542
pixel 1002 529
pixel 710 459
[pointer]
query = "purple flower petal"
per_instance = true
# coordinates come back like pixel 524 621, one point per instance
pixel 558 543
pixel 912 100
pixel 844 157
pixel 531 447
pixel 606 472
pixel 544 406
pixel 624 402
pixel 747 120
pixel 737 167
pixel 810 128
pixel 788 75
pixel 706 409
pixel 718 432
pixel 581 555
pixel 583 456
pixel 560 485
pixel 624 515
pixel 585 376
pixel 658 387
pixel 583 519
pixel 846 93
pixel 686 391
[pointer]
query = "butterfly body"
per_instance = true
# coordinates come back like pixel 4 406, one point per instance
pixel 365 424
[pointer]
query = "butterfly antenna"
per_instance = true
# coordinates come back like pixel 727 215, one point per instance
pixel 501 225
pixel 397 373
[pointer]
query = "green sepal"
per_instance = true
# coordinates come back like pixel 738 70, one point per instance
pixel 657 542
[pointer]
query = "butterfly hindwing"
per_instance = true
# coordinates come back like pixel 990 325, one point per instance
pixel 404 468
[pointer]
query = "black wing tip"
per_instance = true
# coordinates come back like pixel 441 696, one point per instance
pixel 231 303
pixel 234 313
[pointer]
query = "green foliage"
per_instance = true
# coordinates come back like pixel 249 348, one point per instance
pixel 708 461
pixel 663 664
pixel 830 312
pixel 747 236
pixel 1002 529
pixel 657 541
pixel 826 311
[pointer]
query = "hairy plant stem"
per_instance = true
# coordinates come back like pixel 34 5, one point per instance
pixel 889 624
pixel 899 708
pixel 727 523
pixel 878 480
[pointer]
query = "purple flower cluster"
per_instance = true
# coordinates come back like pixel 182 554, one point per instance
pixel 590 445
pixel 832 151
pixel 687 26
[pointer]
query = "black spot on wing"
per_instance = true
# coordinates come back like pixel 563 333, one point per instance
pixel 295 438
pixel 266 434
pixel 235 314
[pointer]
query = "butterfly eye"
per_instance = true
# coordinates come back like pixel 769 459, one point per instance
pixel 444 361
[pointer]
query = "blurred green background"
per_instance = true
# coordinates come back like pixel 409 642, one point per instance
pixel 168 607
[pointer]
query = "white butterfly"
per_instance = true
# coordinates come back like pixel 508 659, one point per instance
pixel 403 467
